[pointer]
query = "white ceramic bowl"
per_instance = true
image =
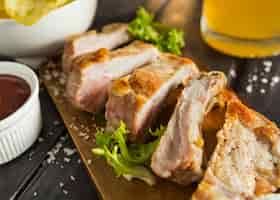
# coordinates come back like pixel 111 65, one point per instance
pixel 20 130
pixel 46 36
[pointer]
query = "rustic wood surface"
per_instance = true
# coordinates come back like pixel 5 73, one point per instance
pixel 35 175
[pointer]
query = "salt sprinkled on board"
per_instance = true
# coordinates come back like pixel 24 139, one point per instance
pixel 254 77
pixel 65 192
pixel 264 80
pixel 56 122
pixel 72 178
pixel 47 77
pixel 35 194
pixel 66 159
pixel 262 91
pixel 40 139
pixel 274 80
pixel 61 184
pixel 53 152
pixel 249 88
pixel 89 162
pixel 232 73
pixel 260 79
pixel 69 152
pixel 55 73
pixel 267 63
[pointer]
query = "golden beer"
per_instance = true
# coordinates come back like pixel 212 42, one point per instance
pixel 245 28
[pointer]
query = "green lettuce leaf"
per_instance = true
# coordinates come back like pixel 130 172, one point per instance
pixel 124 168
pixel 128 160
pixel 167 39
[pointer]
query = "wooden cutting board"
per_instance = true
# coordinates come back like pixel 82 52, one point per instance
pixel 82 126
pixel 177 13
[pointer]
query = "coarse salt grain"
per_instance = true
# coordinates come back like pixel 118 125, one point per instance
pixel 69 152
pixel 232 73
pixel 67 160
pixel 35 194
pixel 61 184
pixel 267 69
pixel 275 79
pixel 51 157
pixel 89 162
pixel 56 122
pixel 65 192
pixel 55 74
pixel 55 91
pixel 40 139
pixel 249 88
pixel 47 77
pixel 86 137
pixel 62 81
pixel 72 178
pixel 262 91
pixel 267 63
pixel 254 77
pixel 82 134
pixel 264 80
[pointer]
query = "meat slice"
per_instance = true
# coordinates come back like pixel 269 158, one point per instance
pixel 137 98
pixel 179 154
pixel 246 160
pixel 112 36
pixel 87 84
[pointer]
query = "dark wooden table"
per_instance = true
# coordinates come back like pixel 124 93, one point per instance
pixel 52 169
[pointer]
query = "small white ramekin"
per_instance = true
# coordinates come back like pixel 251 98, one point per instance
pixel 20 130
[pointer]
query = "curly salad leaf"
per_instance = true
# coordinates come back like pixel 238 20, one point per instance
pixel 29 12
pixel 128 160
pixel 143 27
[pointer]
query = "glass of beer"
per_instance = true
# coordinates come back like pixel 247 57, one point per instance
pixel 243 28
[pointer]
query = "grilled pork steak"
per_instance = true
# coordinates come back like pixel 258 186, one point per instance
pixel 112 36
pixel 136 99
pixel 88 82
pixel 246 160
pixel 179 154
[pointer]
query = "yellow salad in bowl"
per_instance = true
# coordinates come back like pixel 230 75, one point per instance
pixel 28 12
pixel 37 28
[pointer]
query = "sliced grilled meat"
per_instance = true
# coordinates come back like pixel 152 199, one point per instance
pixel 180 152
pixel 112 36
pixel 246 161
pixel 87 85
pixel 137 98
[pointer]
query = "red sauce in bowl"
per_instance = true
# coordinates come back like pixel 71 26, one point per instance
pixel 14 92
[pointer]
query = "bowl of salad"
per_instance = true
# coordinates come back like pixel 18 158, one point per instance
pixel 32 28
